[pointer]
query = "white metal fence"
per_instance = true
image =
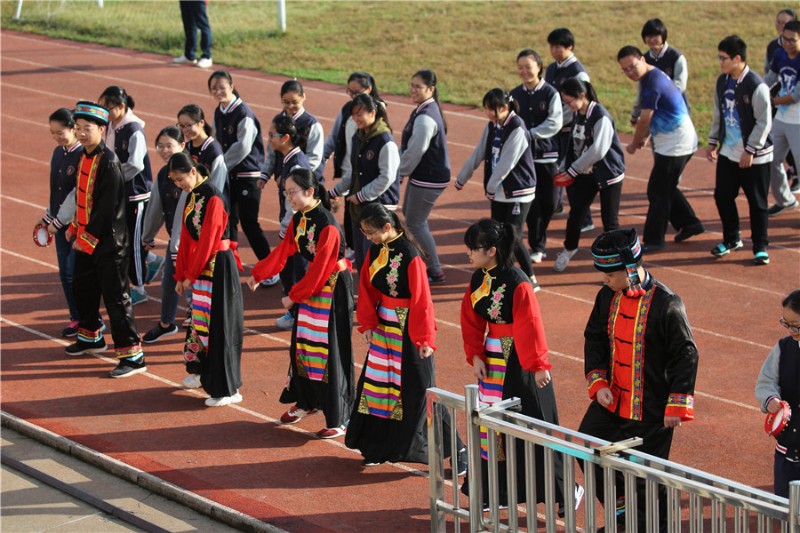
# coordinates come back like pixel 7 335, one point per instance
pixel 696 501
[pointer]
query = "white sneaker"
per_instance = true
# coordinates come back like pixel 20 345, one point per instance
pixel 192 381
pixel 225 400
pixel 536 286
pixel 269 282
pixel 537 257
pixel 562 259
pixel 180 60
pixel 204 62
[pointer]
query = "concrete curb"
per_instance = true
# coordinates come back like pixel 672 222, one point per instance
pixel 210 508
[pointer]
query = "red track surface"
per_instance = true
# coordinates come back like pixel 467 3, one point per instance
pixel 238 455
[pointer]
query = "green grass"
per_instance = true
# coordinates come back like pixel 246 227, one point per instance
pixel 470 45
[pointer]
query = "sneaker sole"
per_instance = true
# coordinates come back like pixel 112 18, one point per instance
pixel 88 350
pixel 131 373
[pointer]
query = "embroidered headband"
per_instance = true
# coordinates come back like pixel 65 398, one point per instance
pixel 87 109
pixel 612 258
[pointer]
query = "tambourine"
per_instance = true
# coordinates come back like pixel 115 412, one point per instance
pixel 777 421
pixel 42 237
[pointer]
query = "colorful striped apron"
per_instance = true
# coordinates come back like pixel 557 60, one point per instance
pixel 197 339
pixel 312 344
pixel 497 348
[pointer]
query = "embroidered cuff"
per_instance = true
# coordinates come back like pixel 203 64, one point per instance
pixel 129 352
pixel 86 242
pixel 596 380
pixel 681 405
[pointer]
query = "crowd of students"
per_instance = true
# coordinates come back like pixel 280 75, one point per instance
pixel 546 136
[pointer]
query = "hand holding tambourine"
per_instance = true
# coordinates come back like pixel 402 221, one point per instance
pixel 777 421
pixel 41 236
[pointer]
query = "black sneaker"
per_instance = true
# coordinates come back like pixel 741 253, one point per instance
pixel 778 209
pixel 795 186
pixel 126 368
pixel 71 330
pixel 158 332
pixel 687 232
pixel 80 347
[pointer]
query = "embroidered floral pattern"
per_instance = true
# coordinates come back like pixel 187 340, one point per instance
pixel 497 304
pixel 311 245
pixel 392 276
pixel 198 211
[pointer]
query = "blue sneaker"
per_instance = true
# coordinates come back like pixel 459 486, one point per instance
pixel 154 268
pixel 286 322
pixel 761 257
pixel 138 297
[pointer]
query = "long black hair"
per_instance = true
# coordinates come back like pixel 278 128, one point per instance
pixel 497 98
pixel 305 179
pixel 367 82
pixel 376 216
pixel 369 104
pixel 63 116
pixel 286 126
pixel 183 162
pixel 225 75
pixel 195 112
pixel 429 78
pixel 488 232
pixel 575 88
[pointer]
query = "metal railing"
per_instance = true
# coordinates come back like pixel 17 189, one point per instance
pixel 695 501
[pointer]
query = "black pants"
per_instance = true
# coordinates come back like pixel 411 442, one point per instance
pixel 245 203
pixel 515 213
pixel 754 181
pixel 542 207
pixel 667 202
pixel 134 212
pixel 785 472
pixel 601 423
pixel 195 17
pixel 106 275
pixel 584 189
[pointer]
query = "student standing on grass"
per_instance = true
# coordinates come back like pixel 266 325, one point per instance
pixel 504 343
pixel 100 234
pixel 321 374
pixel 740 143
pixel 239 134
pixel 285 143
pixel 540 108
pixel 779 381
pixel 565 66
pixel 340 139
pixel 395 313
pixel 595 163
pixel 426 162
pixel 785 70
pixel 195 17
pixel 125 136
pixel 166 208
pixel 209 266
pixel 509 176
pixel 374 163
pixel 63 173
pixel 664 120
pixel 310 131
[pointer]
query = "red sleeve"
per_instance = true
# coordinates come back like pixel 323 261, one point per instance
pixel 473 329
pixel 529 339
pixel 368 298
pixel 320 269
pixel 214 223
pixel 184 253
pixel 422 323
pixel 275 261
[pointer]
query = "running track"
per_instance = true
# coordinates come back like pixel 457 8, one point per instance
pixel 238 455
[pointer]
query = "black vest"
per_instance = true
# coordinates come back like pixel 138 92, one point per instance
pixel 523 175
pixel 364 160
pixel 434 167
pixel 534 108
pixel 340 148
pixel 169 194
pixel 743 94
pixel 142 183
pixel 226 126
pixel 789 383
pixel 613 163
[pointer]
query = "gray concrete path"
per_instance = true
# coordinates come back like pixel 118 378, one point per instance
pixel 29 505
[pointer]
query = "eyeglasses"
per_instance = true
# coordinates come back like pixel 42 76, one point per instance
pixel 369 233
pixel 289 193
pixel 722 58
pixel 791 327
pixel 185 127
pixel 786 39
pixel 354 93
pixel 276 134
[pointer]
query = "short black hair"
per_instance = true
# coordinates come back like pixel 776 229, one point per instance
pixel 787 11
pixel 793 301
pixel 63 116
pixel 654 27
pixel 733 45
pixel 561 36
pixel 792 25
pixel 627 51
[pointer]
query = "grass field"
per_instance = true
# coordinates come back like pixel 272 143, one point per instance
pixel 471 45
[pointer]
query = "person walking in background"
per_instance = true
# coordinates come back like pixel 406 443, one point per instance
pixel 374 162
pixel 99 235
pixel 321 372
pixel 779 382
pixel 595 163
pixel 61 207
pixel 504 343
pixel 509 176
pixel 664 120
pixel 239 133
pixel 195 17
pixel 166 208
pixel 540 108
pixel 395 313
pixel 426 162
pixel 209 266
pixel 741 145
pixel 125 135
pixel 785 70
pixel 640 363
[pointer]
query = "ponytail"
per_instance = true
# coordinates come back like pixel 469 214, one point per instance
pixel 195 113
pixel 183 162
pixel 116 95
pixel 575 88
pixel 225 75
pixel 497 98
pixel 487 233
pixel 370 104
pixel 429 77
pixel 305 179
